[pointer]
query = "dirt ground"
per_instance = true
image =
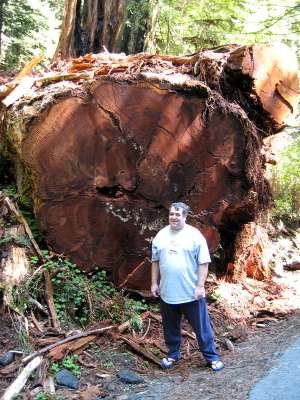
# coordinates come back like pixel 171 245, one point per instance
pixel 250 360
pixel 191 379
pixel 261 319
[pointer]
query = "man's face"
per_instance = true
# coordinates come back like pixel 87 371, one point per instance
pixel 176 219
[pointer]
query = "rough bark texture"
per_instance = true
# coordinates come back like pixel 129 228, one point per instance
pixel 91 25
pixel 109 153
pixel 14 265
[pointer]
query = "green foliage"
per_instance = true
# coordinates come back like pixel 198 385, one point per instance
pixel 287 186
pixel 216 296
pixel 136 11
pixel 21 240
pixel 82 298
pixel 26 25
pixel 275 21
pixel 26 207
pixel 181 27
pixel 11 191
pixel 70 291
pixel 70 363
pixel 21 22
pixel 5 239
pixel 46 396
pixel 136 323
pixel 187 26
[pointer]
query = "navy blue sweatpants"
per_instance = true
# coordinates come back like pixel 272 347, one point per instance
pixel 197 315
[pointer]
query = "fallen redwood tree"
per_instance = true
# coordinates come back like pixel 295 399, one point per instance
pixel 106 142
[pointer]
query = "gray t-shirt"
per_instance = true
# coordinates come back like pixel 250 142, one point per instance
pixel 179 253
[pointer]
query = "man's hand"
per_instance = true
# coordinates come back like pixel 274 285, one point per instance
pixel 199 292
pixel 155 290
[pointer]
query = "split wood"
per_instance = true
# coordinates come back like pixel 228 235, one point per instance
pixel 77 346
pixel 135 346
pixel 68 339
pixel 48 284
pixel 16 387
pixel 50 301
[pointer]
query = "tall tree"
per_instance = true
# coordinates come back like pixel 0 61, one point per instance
pixel 91 25
pixel 187 26
pixel 19 23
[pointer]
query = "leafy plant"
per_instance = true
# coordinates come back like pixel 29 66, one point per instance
pixel 136 322
pixel 216 296
pixel 286 181
pixel 70 363
pixel 5 239
pixel 11 191
pixel 46 396
pixel 79 298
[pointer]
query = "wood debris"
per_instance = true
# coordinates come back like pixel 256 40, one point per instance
pixel 16 387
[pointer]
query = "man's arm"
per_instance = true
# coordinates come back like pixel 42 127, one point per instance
pixel 202 275
pixel 154 278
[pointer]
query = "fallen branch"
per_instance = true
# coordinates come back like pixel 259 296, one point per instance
pixel 50 300
pixel 135 269
pixel 160 347
pixel 36 322
pixel 49 385
pixel 38 305
pixel 147 330
pixel 5 90
pixel 68 339
pixel 140 350
pixel 15 210
pixel 16 387
pixel 10 369
pixel 60 351
pixel 295 266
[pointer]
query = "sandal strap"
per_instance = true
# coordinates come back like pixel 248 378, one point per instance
pixel 217 365
pixel 167 362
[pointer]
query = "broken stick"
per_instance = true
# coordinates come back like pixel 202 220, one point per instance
pixel 16 387
pixel 135 346
pixel 50 300
pixel 15 210
pixel 68 339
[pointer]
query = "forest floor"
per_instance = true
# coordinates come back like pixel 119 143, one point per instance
pixel 254 322
pixel 256 347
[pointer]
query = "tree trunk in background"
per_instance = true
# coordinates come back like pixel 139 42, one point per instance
pixel 89 26
pixel 109 151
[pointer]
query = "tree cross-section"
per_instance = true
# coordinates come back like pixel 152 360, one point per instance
pixel 107 154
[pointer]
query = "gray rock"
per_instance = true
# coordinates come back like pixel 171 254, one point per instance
pixel 7 358
pixel 67 379
pixel 110 386
pixel 128 376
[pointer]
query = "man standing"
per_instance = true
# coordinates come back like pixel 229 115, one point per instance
pixel 180 260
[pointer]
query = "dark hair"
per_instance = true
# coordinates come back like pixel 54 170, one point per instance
pixel 181 206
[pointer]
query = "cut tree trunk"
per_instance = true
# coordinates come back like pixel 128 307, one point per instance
pixel 109 150
pixel 95 25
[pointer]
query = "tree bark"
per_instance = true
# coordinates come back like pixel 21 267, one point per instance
pixel 93 25
pixel 108 154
